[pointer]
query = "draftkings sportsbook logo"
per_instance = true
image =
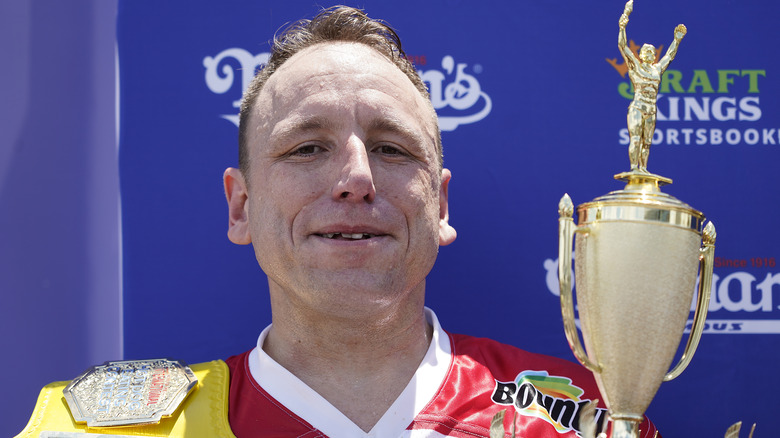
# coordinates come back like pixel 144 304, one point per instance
pixel 455 92
pixel 704 107
pixel 550 398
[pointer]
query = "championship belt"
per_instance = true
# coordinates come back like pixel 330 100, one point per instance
pixel 152 398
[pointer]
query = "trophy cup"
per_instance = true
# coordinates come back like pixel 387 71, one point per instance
pixel 637 255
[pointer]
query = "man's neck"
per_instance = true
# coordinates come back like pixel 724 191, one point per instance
pixel 339 357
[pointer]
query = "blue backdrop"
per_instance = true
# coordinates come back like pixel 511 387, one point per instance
pixel 532 99
pixel 540 111
pixel 59 192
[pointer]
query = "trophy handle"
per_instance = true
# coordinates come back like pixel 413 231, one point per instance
pixel 566 230
pixel 706 258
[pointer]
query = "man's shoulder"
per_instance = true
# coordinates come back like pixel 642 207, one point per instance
pixel 502 359
pixel 240 374
pixel 238 361
pixel 255 412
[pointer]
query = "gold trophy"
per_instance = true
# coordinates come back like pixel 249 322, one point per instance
pixel 637 255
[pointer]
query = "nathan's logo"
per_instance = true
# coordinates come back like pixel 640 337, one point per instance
pixel 551 398
pixel 453 90
pixel 734 296
pixel 456 89
pixel 221 71
pixel 711 107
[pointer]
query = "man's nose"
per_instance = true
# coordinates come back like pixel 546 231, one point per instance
pixel 355 182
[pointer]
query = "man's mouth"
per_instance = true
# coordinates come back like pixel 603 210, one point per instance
pixel 348 236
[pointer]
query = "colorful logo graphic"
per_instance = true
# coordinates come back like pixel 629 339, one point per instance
pixel 452 89
pixel 553 399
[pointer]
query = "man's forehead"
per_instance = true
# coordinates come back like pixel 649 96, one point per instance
pixel 334 66
pixel 333 58
pixel 345 54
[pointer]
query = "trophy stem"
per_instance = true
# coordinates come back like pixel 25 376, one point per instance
pixel 625 428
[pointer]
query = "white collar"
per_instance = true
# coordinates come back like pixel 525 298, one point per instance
pixel 310 406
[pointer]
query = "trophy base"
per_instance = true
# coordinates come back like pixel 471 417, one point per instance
pixel 643 177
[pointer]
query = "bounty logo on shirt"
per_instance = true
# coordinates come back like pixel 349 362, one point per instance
pixel 553 399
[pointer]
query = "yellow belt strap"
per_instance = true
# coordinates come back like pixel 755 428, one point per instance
pixel 203 413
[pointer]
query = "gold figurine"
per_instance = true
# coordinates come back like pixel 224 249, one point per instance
pixel 645 75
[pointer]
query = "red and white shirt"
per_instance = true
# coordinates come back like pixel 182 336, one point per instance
pixel 460 385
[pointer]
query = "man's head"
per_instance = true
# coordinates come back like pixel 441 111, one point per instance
pixel 344 198
pixel 338 23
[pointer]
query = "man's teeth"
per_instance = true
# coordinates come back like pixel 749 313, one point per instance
pixel 355 236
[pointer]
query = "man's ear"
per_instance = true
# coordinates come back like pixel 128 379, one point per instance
pixel 447 233
pixel 238 206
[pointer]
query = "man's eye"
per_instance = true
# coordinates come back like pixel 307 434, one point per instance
pixel 389 150
pixel 306 150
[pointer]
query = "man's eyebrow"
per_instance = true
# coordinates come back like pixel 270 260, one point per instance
pixel 303 125
pixel 315 123
pixel 396 127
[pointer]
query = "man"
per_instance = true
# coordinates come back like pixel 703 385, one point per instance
pixel 645 75
pixel 343 196
pixel 341 191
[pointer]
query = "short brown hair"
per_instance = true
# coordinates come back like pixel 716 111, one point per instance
pixel 337 23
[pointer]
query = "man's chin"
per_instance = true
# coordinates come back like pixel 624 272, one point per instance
pixel 360 290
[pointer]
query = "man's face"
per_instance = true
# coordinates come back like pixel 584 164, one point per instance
pixel 346 203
